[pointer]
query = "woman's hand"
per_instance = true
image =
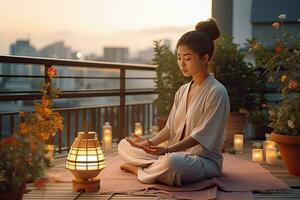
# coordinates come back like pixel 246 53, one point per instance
pixel 137 141
pixel 155 150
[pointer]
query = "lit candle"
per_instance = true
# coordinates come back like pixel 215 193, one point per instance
pixel 257 155
pixel 107 137
pixel 268 144
pixel 238 142
pixel 271 155
pixel 138 129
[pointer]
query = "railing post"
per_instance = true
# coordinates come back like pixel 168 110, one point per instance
pixel 122 133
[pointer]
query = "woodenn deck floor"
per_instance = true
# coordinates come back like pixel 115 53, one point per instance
pixel 64 190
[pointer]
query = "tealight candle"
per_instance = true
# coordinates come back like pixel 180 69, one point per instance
pixel 271 155
pixel 257 155
pixel 107 137
pixel 138 129
pixel 238 142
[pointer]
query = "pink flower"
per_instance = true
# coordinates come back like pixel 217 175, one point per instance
pixel 276 25
pixel 293 84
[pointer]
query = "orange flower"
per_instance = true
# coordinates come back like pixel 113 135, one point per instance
pixel 293 84
pixel 45 101
pixel 276 25
pixel 23 129
pixel 33 147
pixel 52 72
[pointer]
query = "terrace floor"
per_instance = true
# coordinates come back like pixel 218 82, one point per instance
pixel 64 190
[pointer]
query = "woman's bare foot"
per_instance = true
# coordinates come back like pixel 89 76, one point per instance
pixel 130 168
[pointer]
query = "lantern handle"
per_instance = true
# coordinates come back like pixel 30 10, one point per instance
pixel 85 127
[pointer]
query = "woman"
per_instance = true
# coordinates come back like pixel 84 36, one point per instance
pixel 196 124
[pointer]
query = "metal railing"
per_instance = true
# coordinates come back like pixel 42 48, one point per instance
pixel 121 116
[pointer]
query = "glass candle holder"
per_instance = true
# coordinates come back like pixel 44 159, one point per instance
pixel 238 143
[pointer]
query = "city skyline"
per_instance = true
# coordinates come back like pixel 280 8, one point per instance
pixel 85 26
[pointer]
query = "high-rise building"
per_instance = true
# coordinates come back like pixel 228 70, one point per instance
pixel 19 48
pixel 116 54
pixel 58 50
pixel 22 48
pixel 246 19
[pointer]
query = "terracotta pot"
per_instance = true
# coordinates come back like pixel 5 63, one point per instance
pixel 162 122
pixel 235 124
pixel 289 147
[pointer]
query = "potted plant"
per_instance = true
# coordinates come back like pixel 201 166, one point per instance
pixel 21 158
pixel 283 67
pixel 240 80
pixel 169 79
pixel 260 119
pixel 43 123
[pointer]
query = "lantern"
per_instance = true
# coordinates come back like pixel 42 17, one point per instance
pixel 238 143
pixel 138 129
pixel 107 137
pixel 85 161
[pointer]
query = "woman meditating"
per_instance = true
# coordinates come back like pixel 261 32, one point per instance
pixel 196 125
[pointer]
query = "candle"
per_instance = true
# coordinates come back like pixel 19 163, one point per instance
pixel 268 144
pixel 138 129
pixel 238 142
pixel 107 137
pixel 271 155
pixel 257 155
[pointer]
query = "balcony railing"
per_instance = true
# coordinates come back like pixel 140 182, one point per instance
pixel 121 116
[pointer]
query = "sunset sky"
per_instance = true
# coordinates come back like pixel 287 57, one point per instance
pixel 89 25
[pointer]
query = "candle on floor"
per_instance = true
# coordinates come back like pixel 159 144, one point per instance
pixel 138 129
pixel 238 143
pixel 271 155
pixel 267 144
pixel 107 137
pixel 257 155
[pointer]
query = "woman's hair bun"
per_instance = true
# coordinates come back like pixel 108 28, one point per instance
pixel 209 27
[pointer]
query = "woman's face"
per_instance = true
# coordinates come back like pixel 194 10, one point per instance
pixel 189 62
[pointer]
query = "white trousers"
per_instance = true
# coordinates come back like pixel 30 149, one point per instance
pixel 172 168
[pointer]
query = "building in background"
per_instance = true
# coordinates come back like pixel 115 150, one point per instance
pixel 58 50
pixel 116 54
pixel 21 47
pixel 245 19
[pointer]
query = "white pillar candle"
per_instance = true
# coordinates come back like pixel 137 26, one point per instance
pixel 238 142
pixel 257 155
pixel 268 144
pixel 138 129
pixel 271 155
pixel 107 137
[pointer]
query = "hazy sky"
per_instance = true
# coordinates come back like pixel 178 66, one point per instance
pixel 88 25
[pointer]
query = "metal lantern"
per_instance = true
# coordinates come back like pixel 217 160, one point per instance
pixel 85 161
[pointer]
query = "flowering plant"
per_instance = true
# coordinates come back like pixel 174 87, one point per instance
pixel 21 160
pixel 283 68
pixel 44 122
